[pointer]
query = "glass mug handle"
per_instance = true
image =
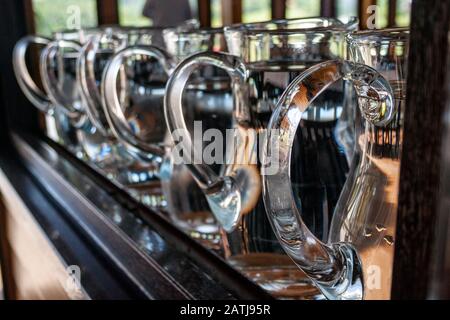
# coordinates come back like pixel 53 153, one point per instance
pixel 111 103
pixel 222 192
pixel 51 82
pixel 335 268
pixel 24 79
pixel 87 85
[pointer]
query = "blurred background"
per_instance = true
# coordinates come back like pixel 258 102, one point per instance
pixel 51 15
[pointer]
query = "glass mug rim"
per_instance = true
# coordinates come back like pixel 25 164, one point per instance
pixel 76 34
pixel 387 35
pixel 64 34
pixel 377 39
pixel 175 39
pixel 206 31
pixel 244 40
pixel 254 28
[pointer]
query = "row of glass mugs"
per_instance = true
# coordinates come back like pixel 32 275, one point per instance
pixel 321 135
pixel 71 67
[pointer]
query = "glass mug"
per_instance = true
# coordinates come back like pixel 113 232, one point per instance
pixel 58 66
pixel 356 260
pixel 134 110
pixel 138 175
pixel 58 125
pixel 64 91
pixel 95 55
pixel 265 58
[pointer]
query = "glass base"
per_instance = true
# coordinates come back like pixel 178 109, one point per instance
pixel 149 194
pixel 201 226
pixel 277 274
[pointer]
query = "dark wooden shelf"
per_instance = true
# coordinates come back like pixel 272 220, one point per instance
pixel 144 253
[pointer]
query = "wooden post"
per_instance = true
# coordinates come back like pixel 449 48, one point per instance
pixel 278 9
pixel 16 111
pixel 108 12
pixel 328 8
pixel 421 155
pixel 34 56
pixel 392 13
pixel 231 11
pixel 29 16
pixel 204 12
pixel 440 266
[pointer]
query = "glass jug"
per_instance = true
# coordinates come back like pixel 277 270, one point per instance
pixel 58 126
pixel 58 70
pixel 138 175
pixel 356 260
pixel 265 58
pixel 95 55
pixel 134 110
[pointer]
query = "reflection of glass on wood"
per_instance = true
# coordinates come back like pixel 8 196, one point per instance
pixel 379 260
pixel 277 274
pixel 371 218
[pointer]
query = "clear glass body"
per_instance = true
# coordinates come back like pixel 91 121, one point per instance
pixel 59 126
pixel 59 62
pixel 355 261
pixel 133 89
pixel 139 176
pixel 265 58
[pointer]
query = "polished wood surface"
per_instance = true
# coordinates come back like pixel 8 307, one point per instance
pixel 7 284
pixel 146 252
pixel 37 270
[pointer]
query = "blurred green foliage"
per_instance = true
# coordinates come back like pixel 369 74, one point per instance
pixel 54 15
pixel 302 8
pixel 256 10
pixel 403 13
pixel 346 9
pixel 216 13
pixel 130 13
